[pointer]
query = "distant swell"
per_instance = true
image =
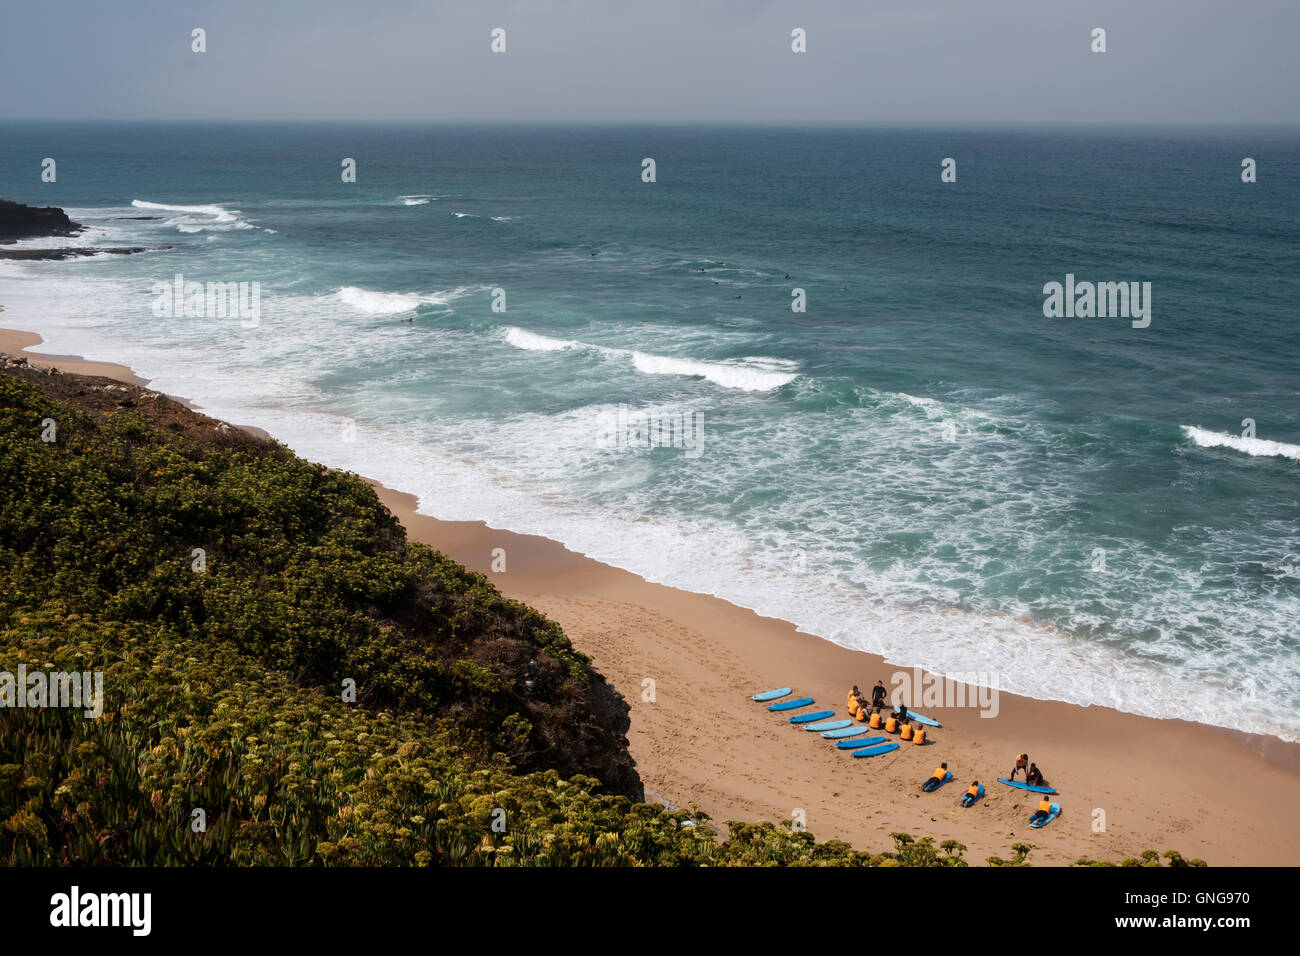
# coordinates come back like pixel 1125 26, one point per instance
pixel 754 374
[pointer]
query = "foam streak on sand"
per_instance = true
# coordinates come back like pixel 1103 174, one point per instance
pixel 1250 446
pixel 753 374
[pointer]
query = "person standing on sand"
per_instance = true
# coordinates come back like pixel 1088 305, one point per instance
pixel 1022 763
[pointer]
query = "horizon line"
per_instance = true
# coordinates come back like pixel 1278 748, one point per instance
pixel 725 124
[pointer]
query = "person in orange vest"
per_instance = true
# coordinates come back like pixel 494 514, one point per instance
pixel 919 736
pixel 939 776
pixel 905 731
pixel 891 725
pixel 1022 763
pixel 972 794
pixel 875 719
pixel 1043 811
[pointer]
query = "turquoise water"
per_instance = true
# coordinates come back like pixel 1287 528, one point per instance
pixel 921 464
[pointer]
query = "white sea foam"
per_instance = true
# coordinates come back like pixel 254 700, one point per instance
pixel 1250 446
pixel 197 218
pixel 749 377
pixel 415 200
pixel 532 342
pixel 393 303
pixel 751 374
pixel 904 609
pixel 377 303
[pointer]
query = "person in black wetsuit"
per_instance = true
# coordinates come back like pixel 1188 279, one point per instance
pixel 878 694
pixel 1035 776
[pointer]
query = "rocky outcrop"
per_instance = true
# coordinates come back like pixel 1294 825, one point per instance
pixel 70 253
pixel 29 222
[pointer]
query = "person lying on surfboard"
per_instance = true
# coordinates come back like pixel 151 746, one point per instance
pixel 939 776
pixel 1035 776
pixel 1043 812
pixel 971 795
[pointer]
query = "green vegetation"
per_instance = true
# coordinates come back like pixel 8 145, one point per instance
pixel 478 735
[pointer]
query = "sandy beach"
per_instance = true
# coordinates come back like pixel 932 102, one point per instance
pixel 1125 783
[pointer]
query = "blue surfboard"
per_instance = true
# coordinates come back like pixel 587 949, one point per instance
pixel 926 786
pixel 847 732
pixel 922 719
pixel 876 751
pixel 819 715
pixel 1024 786
pixel 792 704
pixel 771 694
pixel 859 743
pixel 1051 815
pixel 830 725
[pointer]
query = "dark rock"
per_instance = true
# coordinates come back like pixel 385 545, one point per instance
pixel 26 222
pixel 51 254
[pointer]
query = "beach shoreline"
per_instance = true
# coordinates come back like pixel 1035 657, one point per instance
pixel 1126 783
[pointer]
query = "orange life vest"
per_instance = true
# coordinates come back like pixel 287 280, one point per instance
pixel 854 707
pixel 974 791
pixel 891 725
pixel 920 736
pixel 875 721
pixel 1045 806
pixel 1022 761
pixel 862 714
pixel 939 773
pixel 907 731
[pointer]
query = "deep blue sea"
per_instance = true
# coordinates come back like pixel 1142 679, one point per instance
pixel 921 464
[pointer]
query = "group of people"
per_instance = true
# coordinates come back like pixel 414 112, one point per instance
pixel 1033 776
pixel 896 722
pixel 941 773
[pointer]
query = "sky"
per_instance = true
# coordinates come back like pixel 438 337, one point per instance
pixel 657 61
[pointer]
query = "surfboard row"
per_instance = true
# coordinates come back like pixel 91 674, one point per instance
pixel 846 734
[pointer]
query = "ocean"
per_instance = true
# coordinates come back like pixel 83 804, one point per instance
pixel 509 323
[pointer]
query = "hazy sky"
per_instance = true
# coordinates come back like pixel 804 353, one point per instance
pixel 912 61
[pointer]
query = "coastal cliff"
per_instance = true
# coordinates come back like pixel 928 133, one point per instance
pixel 18 221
